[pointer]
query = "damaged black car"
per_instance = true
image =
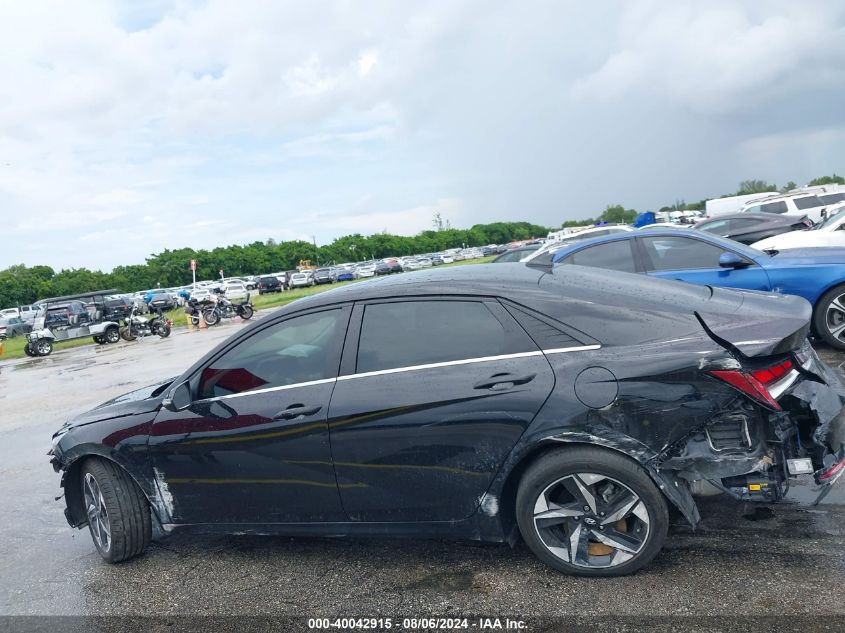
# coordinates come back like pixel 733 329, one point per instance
pixel 575 409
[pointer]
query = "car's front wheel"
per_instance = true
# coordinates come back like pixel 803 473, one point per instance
pixel 118 513
pixel 829 317
pixel 591 512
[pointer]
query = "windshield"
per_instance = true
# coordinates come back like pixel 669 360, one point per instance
pixel 831 220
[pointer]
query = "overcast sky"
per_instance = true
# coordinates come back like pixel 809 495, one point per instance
pixel 127 128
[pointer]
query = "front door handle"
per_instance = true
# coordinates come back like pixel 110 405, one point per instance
pixel 296 411
pixel 504 381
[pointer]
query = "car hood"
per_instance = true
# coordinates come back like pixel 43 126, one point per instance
pixel 143 400
pixel 809 256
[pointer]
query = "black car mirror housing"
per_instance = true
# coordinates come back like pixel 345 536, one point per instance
pixel 179 398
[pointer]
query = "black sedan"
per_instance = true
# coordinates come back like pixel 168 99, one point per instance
pixel 162 301
pixel 484 403
pixel 753 227
pixel 516 254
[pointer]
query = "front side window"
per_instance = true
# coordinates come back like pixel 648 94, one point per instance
pixel 611 255
pixel 405 334
pixel 681 253
pixel 300 349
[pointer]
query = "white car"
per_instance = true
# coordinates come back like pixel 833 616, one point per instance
pixel 200 293
pixel 829 233
pixel 235 291
pixel 409 263
pixel 808 204
pixel 543 254
pixel 364 270
pixel 447 258
pixel 301 279
pixel 424 262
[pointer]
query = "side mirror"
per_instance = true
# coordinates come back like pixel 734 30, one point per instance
pixel 178 399
pixel 732 260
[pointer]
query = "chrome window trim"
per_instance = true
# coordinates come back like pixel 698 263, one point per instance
pixel 310 383
pixel 448 363
pixel 397 370
pixel 467 361
pixel 563 350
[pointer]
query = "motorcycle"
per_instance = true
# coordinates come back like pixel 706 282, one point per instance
pixel 222 308
pixel 207 308
pixel 138 327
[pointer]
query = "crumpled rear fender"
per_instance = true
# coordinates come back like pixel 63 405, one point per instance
pixel 676 490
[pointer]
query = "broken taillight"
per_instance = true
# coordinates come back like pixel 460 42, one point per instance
pixel 832 474
pixel 773 373
pixel 747 384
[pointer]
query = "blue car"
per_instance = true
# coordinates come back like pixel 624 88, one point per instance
pixel 817 274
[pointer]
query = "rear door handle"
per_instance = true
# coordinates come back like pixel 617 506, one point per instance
pixel 504 381
pixel 296 411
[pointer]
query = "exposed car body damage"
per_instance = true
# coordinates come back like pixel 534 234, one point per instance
pixel 693 384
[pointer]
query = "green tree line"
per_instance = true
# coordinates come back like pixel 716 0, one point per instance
pixel 21 285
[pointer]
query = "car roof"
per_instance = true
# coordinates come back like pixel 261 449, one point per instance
pixel 703 236
pixel 480 280
pixel 769 217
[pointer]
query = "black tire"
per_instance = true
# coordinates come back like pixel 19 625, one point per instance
pixel 43 347
pixel 28 350
pixel 127 512
pixel 111 335
pixel 212 317
pixel 822 323
pixel 247 312
pixel 163 330
pixel 99 340
pixel 554 466
pixel 195 319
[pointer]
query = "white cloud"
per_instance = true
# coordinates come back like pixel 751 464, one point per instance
pixel 289 119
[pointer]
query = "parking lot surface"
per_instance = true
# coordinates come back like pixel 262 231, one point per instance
pixel 744 559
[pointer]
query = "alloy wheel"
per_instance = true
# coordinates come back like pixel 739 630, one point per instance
pixel 591 520
pixel 98 516
pixel 835 317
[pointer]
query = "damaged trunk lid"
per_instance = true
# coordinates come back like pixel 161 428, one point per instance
pixel 761 324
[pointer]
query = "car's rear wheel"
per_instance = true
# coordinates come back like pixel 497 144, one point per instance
pixel 591 512
pixel 118 513
pixel 829 317
pixel 112 334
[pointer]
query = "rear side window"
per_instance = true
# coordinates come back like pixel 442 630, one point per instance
pixel 832 198
pixel 779 206
pixel 808 202
pixel 408 333
pixel 612 255
pixel 681 253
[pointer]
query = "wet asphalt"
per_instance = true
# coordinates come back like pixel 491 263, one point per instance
pixel 744 559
